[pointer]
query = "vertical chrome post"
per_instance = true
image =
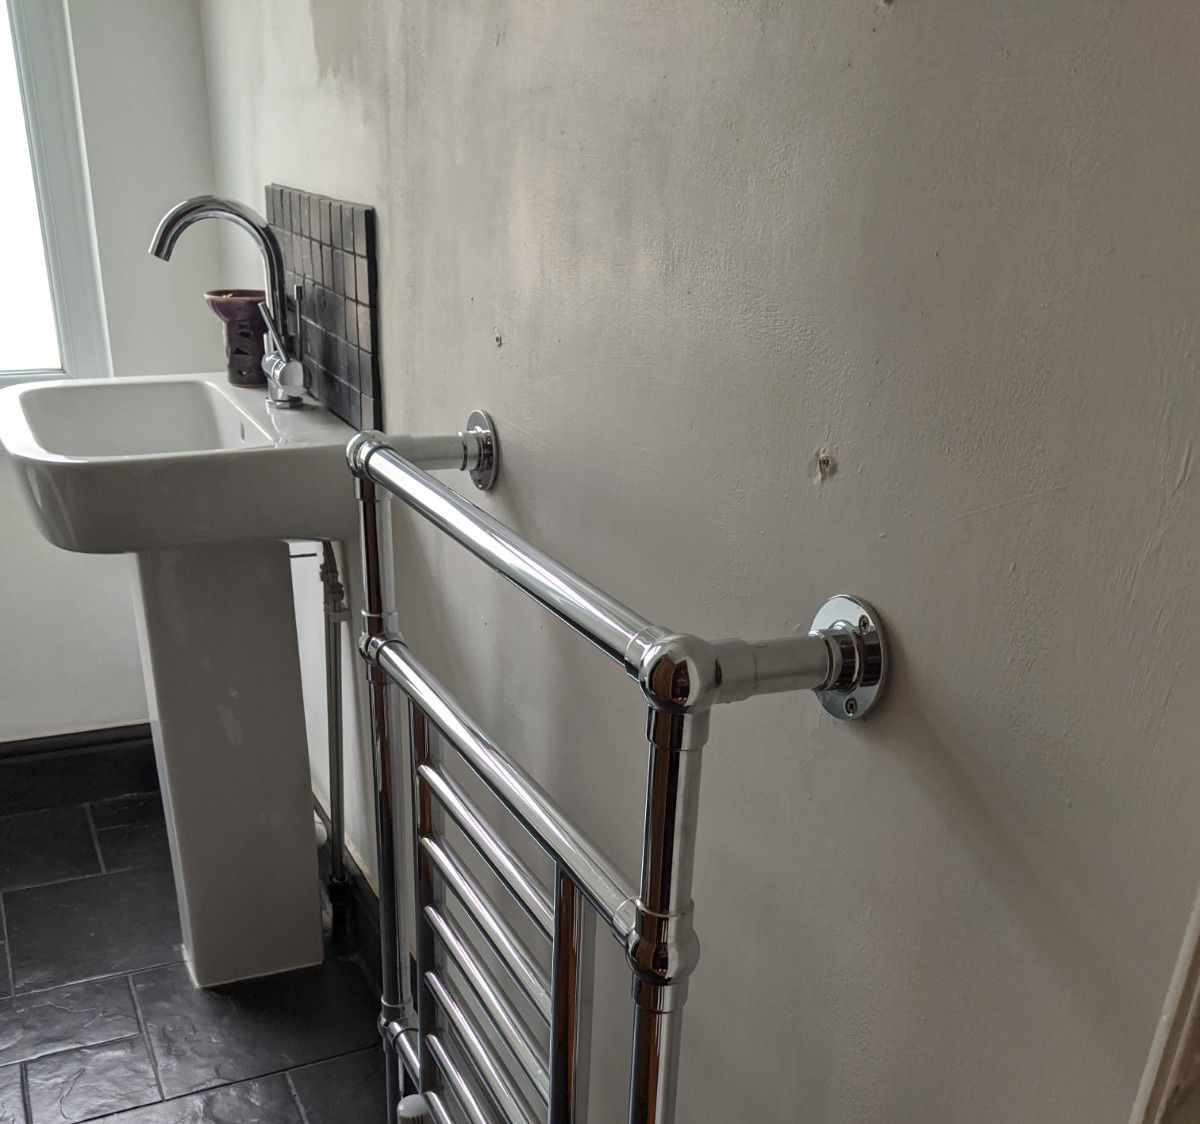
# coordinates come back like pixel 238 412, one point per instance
pixel 426 826
pixel 382 759
pixel 663 949
pixel 571 986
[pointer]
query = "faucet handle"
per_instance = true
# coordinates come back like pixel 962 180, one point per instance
pixel 272 330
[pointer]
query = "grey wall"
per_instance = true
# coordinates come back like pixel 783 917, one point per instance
pixel 956 244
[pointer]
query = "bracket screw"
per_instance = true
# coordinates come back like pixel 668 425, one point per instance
pixel 864 624
pixel 852 707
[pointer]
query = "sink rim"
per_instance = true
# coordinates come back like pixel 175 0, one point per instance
pixel 312 426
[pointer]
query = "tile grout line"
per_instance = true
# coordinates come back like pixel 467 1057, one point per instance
pixel 12 979
pixel 145 1033
pixel 96 979
pixel 91 822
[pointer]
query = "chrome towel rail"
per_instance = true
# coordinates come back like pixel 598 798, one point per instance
pixel 473 1052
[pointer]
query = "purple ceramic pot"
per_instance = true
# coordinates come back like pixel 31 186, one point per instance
pixel 244 328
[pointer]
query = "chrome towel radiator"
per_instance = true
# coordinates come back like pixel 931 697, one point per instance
pixel 474 1054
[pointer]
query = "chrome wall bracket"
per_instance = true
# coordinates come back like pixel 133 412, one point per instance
pixel 856 636
pixel 487 467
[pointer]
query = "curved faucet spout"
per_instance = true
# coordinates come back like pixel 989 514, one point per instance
pixel 285 374
pixel 182 215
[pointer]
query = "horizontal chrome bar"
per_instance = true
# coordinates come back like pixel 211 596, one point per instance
pixel 509 1025
pixel 614 628
pixel 490 1070
pixel 476 1110
pixel 508 947
pixel 437 1106
pixel 592 871
pixel 515 875
pixel 406 1041
pixel 842 658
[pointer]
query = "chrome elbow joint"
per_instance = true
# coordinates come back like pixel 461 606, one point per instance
pixel 662 950
pixel 680 673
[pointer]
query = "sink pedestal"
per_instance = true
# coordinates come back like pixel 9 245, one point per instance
pixel 217 631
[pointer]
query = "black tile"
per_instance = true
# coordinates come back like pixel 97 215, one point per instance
pixel 326 223
pixel 91 1081
pixel 5 975
pixel 135 844
pixel 12 1105
pixel 351 315
pixel 255 1027
pixel 360 230
pixel 362 280
pixel 343 1089
pixel 83 1014
pixel 335 225
pixel 337 277
pixel 364 328
pixel 139 807
pixel 327 265
pixel 348 227
pixel 92 927
pixel 46 846
pixel 55 779
pixel 266 1101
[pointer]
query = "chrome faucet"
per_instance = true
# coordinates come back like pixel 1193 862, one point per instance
pixel 281 364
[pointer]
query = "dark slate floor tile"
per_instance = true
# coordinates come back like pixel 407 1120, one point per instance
pixel 5 975
pixel 12 1107
pixel 92 1081
pixel 141 807
pixel 135 844
pixel 203 1038
pixel 92 927
pixel 50 780
pixel 343 1089
pixel 266 1101
pixel 48 1022
pixel 46 846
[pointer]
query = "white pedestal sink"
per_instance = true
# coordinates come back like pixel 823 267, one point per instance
pixel 201 481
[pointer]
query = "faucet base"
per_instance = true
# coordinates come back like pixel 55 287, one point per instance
pixel 288 403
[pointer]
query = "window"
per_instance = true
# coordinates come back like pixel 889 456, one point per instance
pixel 51 304
pixel 28 328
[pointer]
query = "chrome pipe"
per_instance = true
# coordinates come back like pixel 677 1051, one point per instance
pixel 593 872
pixel 476 1111
pixel 512 872
pixel 500 1085
pixel 428 891
pixel 391 1005
pixel 616 629
pixel 508 1024
pixel 664 951
pixel 510 950
pixel 437 1106
pixel 570 1028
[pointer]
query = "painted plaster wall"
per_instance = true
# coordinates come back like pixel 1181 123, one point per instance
pixel 677 248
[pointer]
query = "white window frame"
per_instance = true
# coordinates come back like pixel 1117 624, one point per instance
pixel 46 74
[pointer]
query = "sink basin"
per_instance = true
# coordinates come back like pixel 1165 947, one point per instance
pixel 202 482
pixel 114 465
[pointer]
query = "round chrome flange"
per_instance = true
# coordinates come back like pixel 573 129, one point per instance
pixel 854 627
pixel 485 473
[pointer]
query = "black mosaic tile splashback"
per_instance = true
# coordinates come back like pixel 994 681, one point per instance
pixel 329 251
